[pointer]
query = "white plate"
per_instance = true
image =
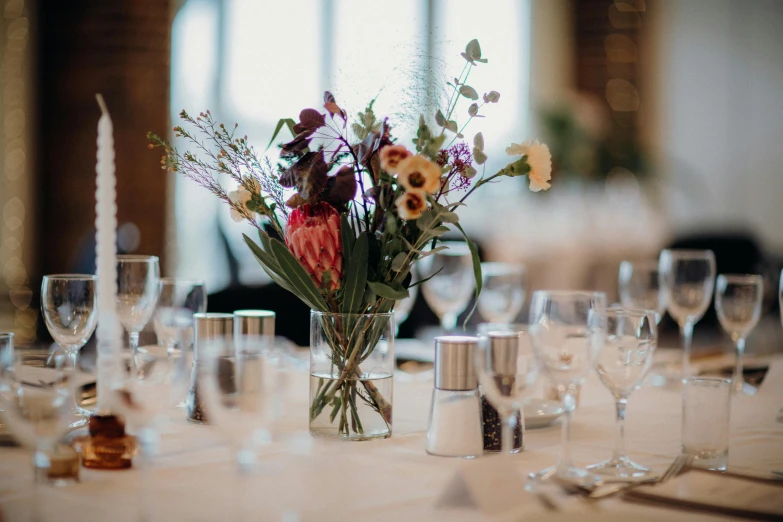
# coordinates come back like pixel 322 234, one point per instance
pixel 540 412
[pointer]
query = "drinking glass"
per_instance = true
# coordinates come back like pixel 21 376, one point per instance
pixel 738 302
pixel 780 297
pixel 622 364
pixel 137 293
pixel 640 287
pixel 182 294
pixel 502 291
pixel 157 380
pixel 507 373
pixel 706 410
pixel 688 279
pixel 402 308
pixel 567 330
pixel 450 283
pixel 69 304
pixel 36 403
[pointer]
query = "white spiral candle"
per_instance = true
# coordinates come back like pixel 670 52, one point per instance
pixel 108 331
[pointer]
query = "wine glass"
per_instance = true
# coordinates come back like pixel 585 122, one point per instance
pixel 738 302
pixel 688 279
pixel 502 291
pixel 137 293
pixel 402 308
pixel 780 297
pixel 183 294
pixel 640 287
pixel 622 364
pixel 507 373
pixel 567 330
pixel 36 405
pixel 157 380
pixel 450 283
pixel 69 304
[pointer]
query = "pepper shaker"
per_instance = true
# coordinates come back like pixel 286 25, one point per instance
pixel 455 427
pixel 206 326
pixel 503 349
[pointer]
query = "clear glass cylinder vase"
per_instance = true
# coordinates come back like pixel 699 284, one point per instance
pixel 351 369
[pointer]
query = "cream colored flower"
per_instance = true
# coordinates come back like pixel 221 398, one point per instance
pixel 411 204
pixel 540 160
pixel 419 173
pixel 239 197
pixel 391 156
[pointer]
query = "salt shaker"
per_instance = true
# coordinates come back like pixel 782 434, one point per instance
pixel 455 427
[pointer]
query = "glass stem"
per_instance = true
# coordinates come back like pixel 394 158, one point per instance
pixel 565 447
pixel 739 376
pixel 149 440
pixel 133 341
pixel 449 321
pixel 41 465
pixel 686 331
pixel 507 432
pixel 619 442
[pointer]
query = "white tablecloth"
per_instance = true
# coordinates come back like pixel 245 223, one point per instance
pixel 306 479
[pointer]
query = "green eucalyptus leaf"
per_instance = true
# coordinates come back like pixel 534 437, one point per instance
pixel 476 270
pixel 478 141
pixel 473 49
pixel 470 172
pixel 449 217
pixel 391 223
pixel 452 126
pixel 440 119
pixel 434 250
pixel 393 291
pixel 398 263
pixel 438 231
pixel 492 97
pixel 479 156
pixel 425 221
pixel 473 109
pixel 355 276
pixel 468 92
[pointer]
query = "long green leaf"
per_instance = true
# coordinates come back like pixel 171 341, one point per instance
pixel 388 291
pixel 269 264
pixel 476 270
pixel 283 121
pixel 348 239
pixel 356 276
pixel 298 277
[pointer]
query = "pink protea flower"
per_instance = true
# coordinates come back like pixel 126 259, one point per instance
pixel 313 236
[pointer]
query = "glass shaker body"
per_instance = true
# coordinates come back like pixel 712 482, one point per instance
pixel 454 427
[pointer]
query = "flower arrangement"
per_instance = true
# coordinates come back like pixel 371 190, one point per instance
pixel 351 210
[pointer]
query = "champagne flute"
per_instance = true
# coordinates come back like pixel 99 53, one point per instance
pixel 137 293
pixel 738 302
pixel 507 374
pixel 69 304
pixel 182 294
pixel 640 287
pixel 450 283
pixel 622 364
pixel 502 292
pixel 157 380
pixel 688 279
pixel 36 405
pixel 567 330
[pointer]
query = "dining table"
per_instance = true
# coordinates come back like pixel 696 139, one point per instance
pixel 302 478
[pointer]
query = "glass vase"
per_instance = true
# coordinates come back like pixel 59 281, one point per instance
pixel 351 368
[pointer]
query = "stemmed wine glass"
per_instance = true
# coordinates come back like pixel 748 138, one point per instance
pixel 157 380
pixel 507 374
pixel 738 302
pixel 183 294
pixel 688 279
pixel 36 405
pixel 640 287
pixel 623 362
pixel 137 293
pixel 502 291
pixel 69 305
pixel 402 308
pixel 450 284
pixel 567 330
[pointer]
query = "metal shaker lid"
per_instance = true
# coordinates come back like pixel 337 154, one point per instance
pixel 503 351
pixel 254 323
pixel 211 326
pixel 454 365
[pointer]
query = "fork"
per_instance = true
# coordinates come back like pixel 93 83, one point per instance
pixel 683 460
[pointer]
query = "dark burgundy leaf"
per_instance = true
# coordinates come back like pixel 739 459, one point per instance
pixel 311 174
pixel 329 97
pixel 311 119
pixel 340 188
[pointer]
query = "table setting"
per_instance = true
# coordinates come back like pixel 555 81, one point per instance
pixel 574 411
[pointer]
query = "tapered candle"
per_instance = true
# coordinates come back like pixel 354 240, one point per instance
pixel 109 334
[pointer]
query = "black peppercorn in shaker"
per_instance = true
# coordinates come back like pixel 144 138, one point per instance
pixel 502 350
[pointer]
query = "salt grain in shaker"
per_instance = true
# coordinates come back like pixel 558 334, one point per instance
pixel 455 427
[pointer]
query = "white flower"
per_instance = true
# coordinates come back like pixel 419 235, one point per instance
pixel 540 160
pixel 239 197
pixel 391 156
pixel 419 173
pixel 411 204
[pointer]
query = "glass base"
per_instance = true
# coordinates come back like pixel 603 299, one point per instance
pixel 709 459
pixel 570 475
pixel 620 468
pixel 743 388
pixel 333 433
